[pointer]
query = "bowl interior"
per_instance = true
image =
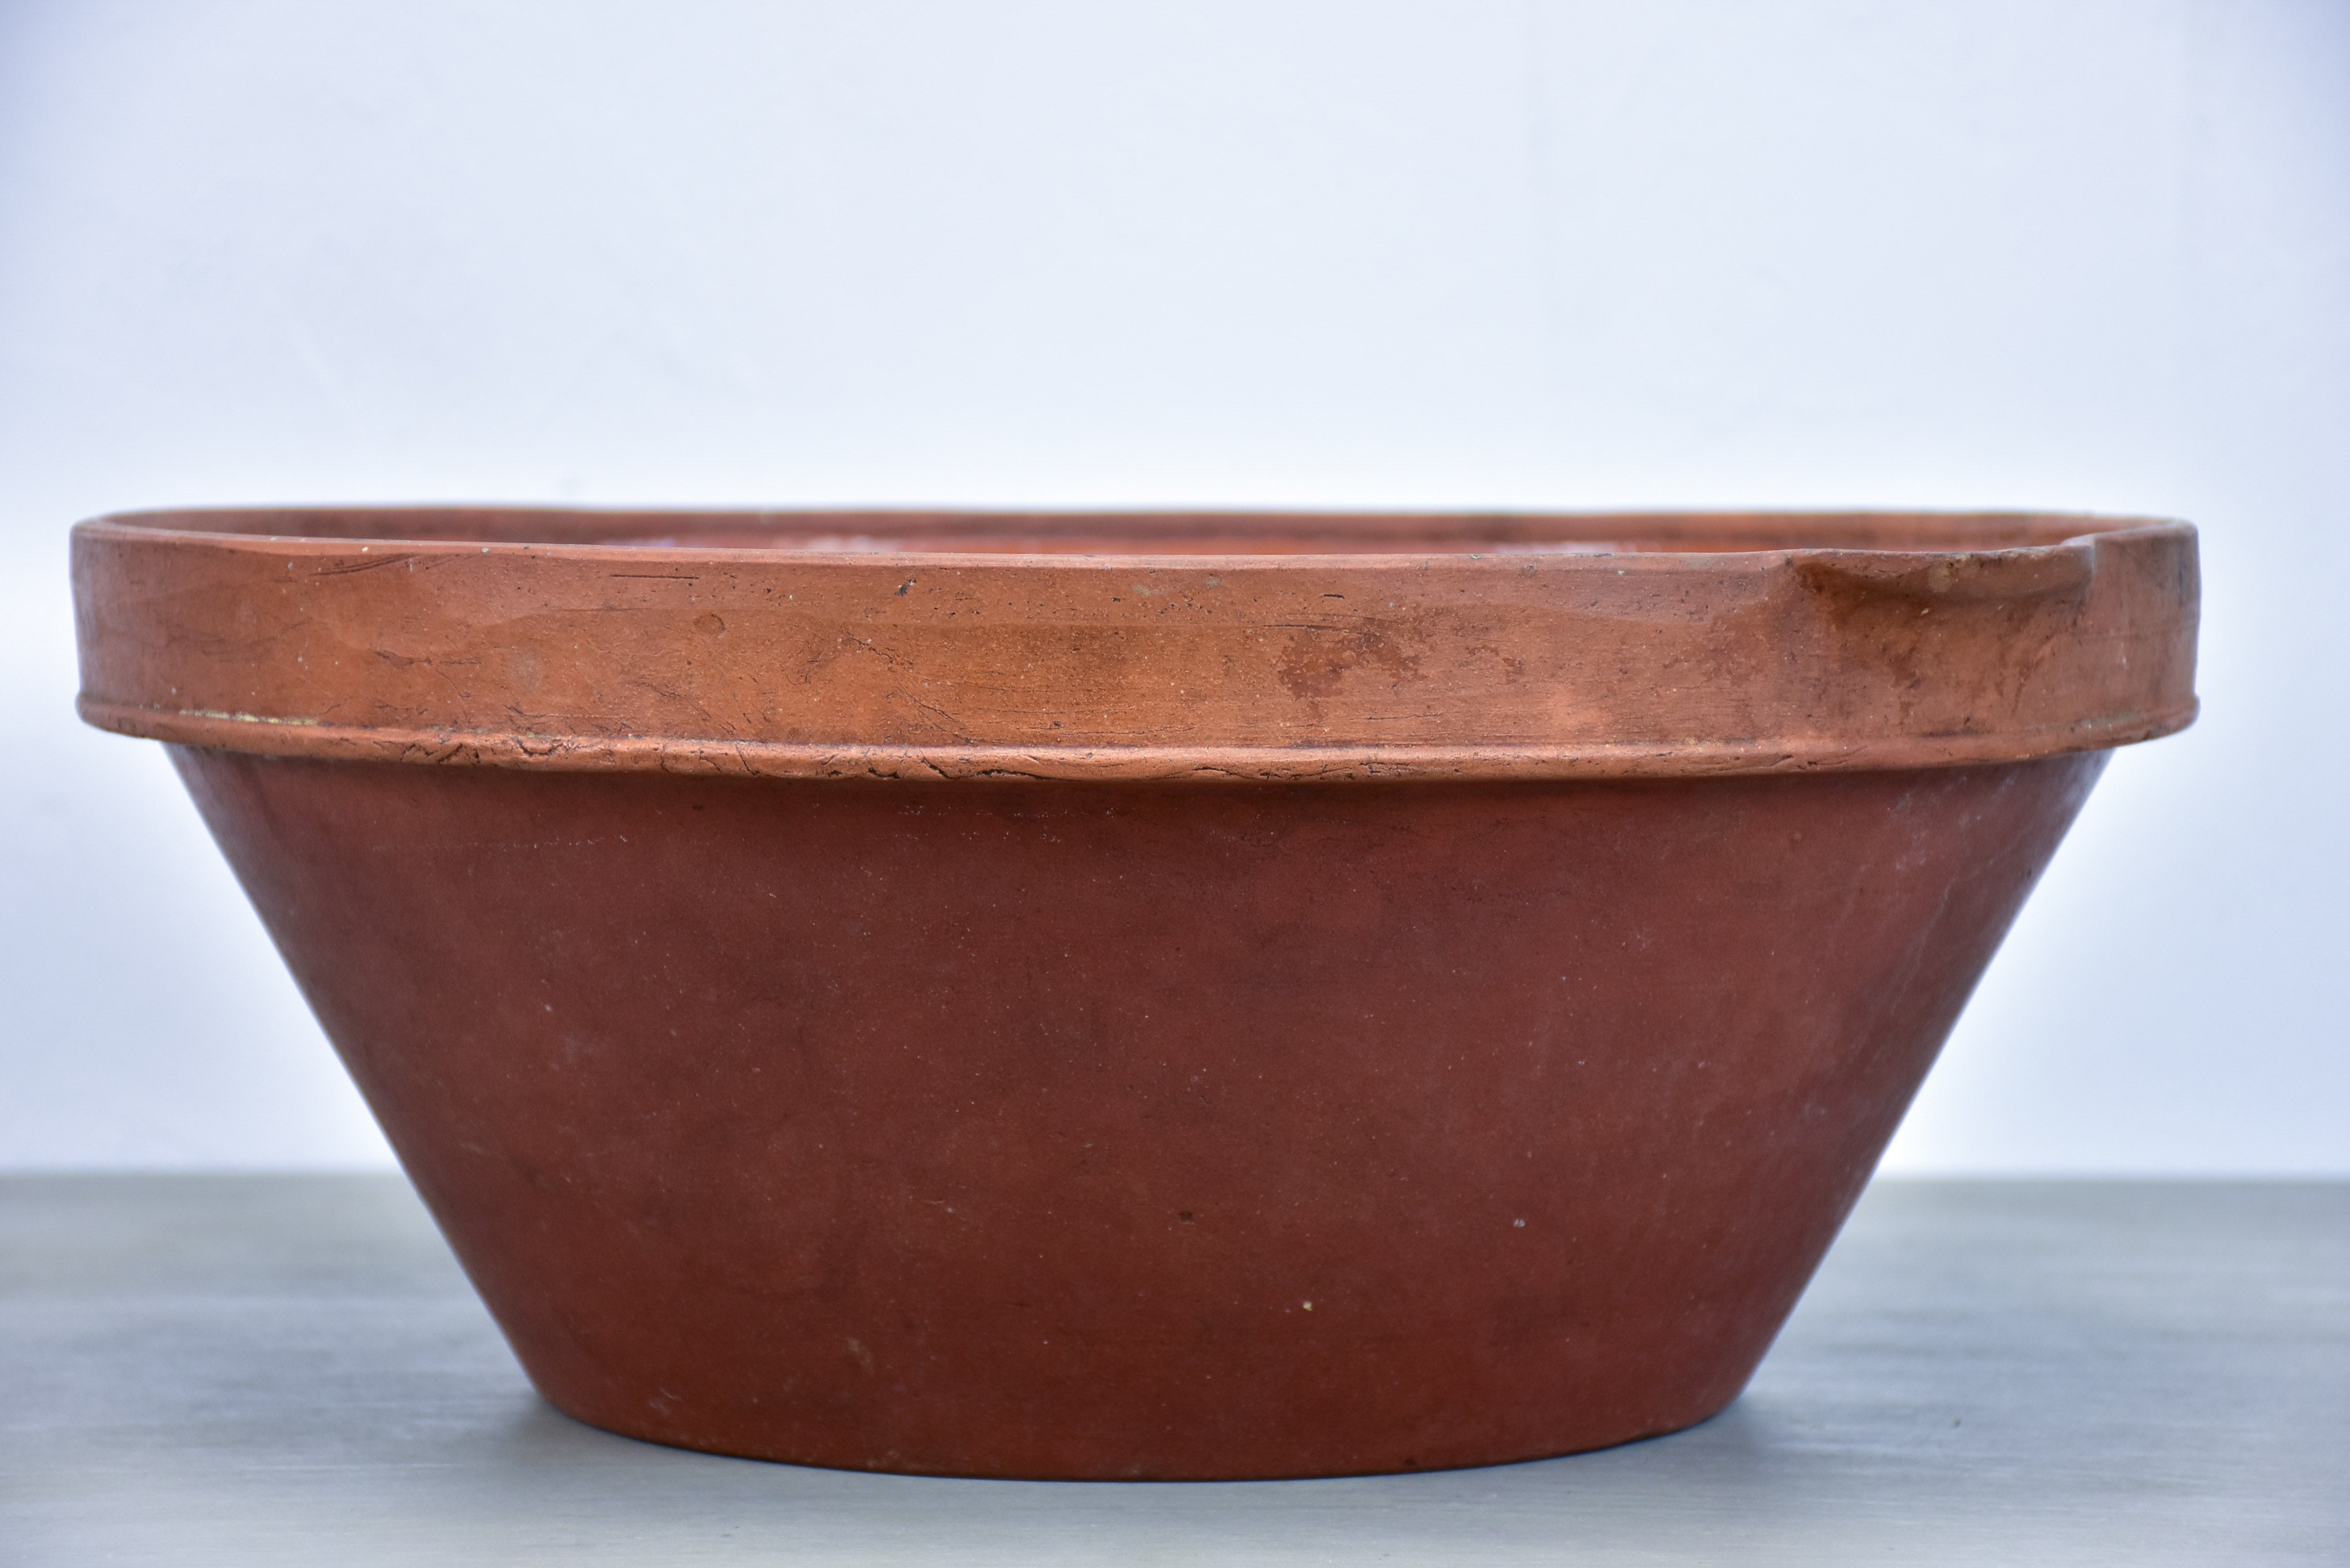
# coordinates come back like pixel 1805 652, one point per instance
pixel 1153 532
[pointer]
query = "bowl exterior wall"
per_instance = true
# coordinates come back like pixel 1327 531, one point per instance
pixel 1135 1130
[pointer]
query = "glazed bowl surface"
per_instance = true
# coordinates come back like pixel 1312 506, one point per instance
pixel 1137 996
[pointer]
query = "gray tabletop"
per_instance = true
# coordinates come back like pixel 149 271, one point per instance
pixel 283 1369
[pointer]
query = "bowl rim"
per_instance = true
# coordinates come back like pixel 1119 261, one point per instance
pixel 301 630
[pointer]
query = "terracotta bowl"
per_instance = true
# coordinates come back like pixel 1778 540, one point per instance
pixel 1137 996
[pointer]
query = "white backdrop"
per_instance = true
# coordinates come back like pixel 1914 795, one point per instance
pixel 2085 254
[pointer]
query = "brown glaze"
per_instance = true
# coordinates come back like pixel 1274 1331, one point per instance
pixel 1009 1130
pixel 1485 1094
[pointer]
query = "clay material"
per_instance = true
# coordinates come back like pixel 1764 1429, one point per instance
pixel 1271 996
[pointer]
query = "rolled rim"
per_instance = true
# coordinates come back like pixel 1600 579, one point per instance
pixel 1172 646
